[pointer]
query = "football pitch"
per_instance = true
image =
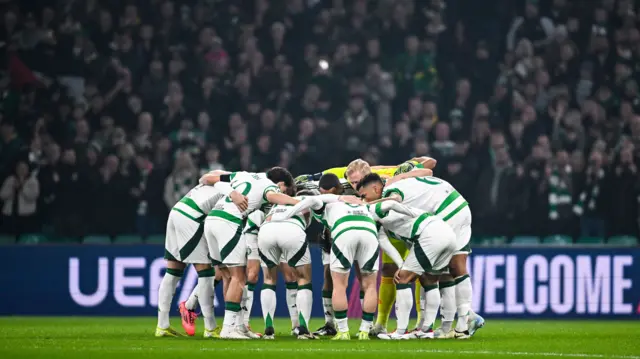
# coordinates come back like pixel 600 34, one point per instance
pixel 79 337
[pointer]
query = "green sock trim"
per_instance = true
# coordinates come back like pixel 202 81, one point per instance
pixel 367 316
pixel 305 286
pixel 403 286
pixel 216 282
pixel 292 285
pixel 361 295
pixel 340 314
pixel 269 286
pixel 231 306
pixel 175 272
pixel 303 323
pixel 326 294
pixel 430 287
pixel 268 321
pixel 251 286
pixel 460 279
pixel 206 273
pixel 447 284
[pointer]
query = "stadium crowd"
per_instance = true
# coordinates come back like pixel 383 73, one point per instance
pixel 112 110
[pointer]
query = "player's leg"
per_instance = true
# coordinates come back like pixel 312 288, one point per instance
pixel 327 304
pixel 269 256
pixel 206 297
pixel 356 268
pixel 342 256
pixel 431 305
pixel 268 299
pixel 404 305
pixel 233 254
pixel 253 273
pixel 387 291
pixel 172 276
pixel 367 257
pixel 462 281
pixel 291 282
pixel 192 302
pixel 295 254
pixel 448 303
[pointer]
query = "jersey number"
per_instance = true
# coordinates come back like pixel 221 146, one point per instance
pixel 429 180
pixel 245 190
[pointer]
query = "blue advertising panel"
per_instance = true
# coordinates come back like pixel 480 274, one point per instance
pixel 507 282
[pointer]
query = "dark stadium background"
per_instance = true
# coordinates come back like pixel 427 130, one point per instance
pixel 111 110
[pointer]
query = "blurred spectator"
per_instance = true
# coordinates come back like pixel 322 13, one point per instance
pixel 183 177
pixel 19 194
pixel 119 100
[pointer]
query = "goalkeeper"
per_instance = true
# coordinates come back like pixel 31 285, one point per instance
pixel 353 173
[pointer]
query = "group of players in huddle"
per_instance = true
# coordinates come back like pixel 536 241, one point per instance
pixel 241 222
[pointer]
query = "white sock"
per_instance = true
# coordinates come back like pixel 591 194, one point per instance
pixel 230 319
pixel 343 324
pixel 431 306
pixel 243 307
pixel 327 305
pixel 304 302
pixel 205 297
pixel 268 303
pixel 292 292
pixel 448 305
pixel 367 321
pixel 404 304
pixel 249 302
pixel 192 302
pixel 423 301
pixel 463 301
pixel 165 295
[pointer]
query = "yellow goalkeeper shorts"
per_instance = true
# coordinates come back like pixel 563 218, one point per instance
pixel 400 246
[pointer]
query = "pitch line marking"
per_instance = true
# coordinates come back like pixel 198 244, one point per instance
pixel 358 350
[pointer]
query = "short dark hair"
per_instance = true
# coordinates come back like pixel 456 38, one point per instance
pixel 368 179
pixel 329 181
pixel 279 174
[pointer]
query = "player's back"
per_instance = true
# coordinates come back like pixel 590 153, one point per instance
pixel 205 197
pixel 252 185
pixel 340 216
pixel 401 226
pixel 298 219
pixel 427 193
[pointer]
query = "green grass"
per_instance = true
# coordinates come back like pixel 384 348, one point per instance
pixel 121 338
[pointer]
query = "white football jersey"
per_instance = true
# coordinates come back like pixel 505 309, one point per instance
pixel 340 216
pixel 429 194
pixel 298 219
pixel 254 186
pixel 198 201
pixel 401 226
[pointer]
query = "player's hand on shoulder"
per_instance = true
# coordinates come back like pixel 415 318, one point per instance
pixel 239 200
pixel 281 216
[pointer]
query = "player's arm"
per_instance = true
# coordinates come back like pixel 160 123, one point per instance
pixel 388 248
pixel 418 172
pixel 214 177
pixel 307 203
pixel 274 197
pixel 382 209
pixel 426 162
pixel 338 171
pixel 236 197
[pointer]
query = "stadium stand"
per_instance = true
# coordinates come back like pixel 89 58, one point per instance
pixel 112 109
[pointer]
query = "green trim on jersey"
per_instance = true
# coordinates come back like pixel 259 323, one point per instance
pixel 197 219
pixel 453 213
pixel 191 203
pixel 388 193
pixel 417 223
pixel 353 218
pixel 226 216
pixel 232 175
pixel 379 212
pixel 447 201
pixel 269 189
pixel 335 238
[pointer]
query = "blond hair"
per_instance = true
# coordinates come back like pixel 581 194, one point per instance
pixel 358 165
